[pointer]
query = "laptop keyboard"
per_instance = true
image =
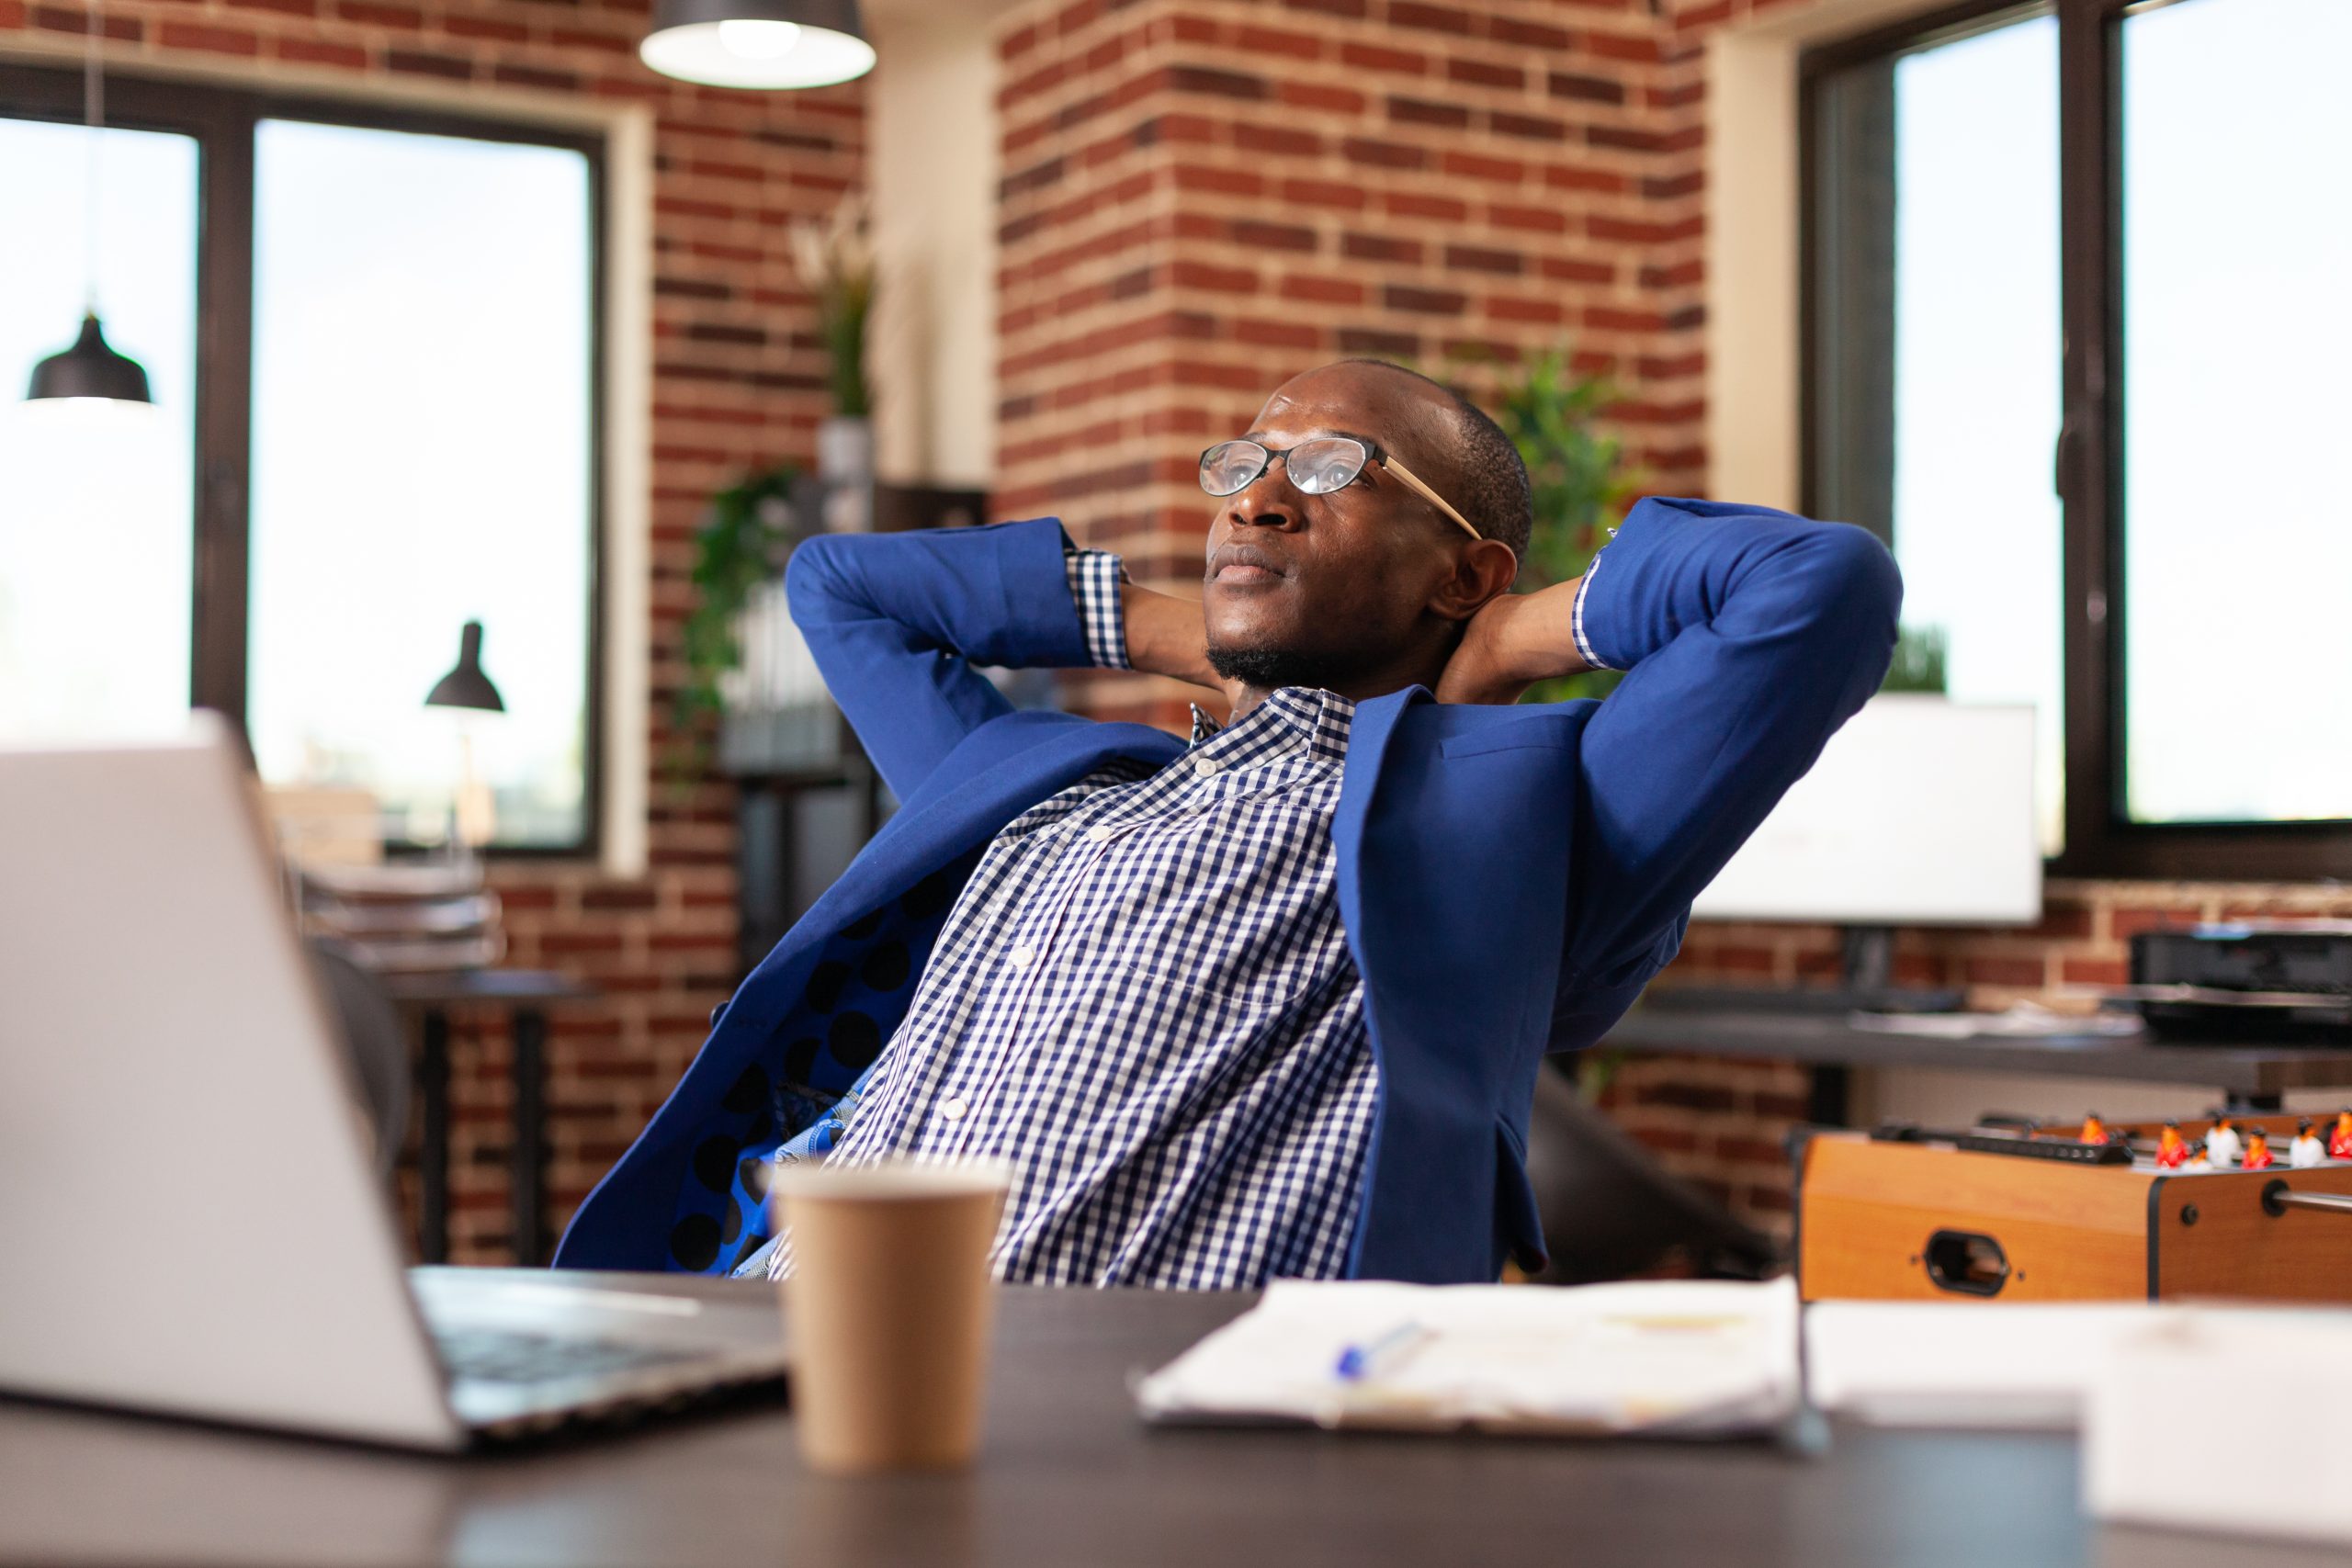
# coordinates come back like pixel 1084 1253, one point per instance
pixel 510 1356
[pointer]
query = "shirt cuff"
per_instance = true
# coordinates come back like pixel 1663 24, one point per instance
pixel 1094 578
pixel 1576 618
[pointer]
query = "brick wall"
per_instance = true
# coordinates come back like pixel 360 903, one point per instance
pixel 736 383
pixel 1204 196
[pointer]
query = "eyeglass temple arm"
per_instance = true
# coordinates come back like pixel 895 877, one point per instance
pixel 1410 478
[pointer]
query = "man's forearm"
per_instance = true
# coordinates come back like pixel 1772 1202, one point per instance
pixel 1166 635
pixel 1515 641
pixel 1539 640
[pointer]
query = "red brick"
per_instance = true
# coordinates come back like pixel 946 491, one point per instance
pixel 1534 35
pixel 2093 971
pixel 1333 193
pixel 1993 971
pixel 1373 57
pixel 1384 154
pixel 2125 923
pixel 1429 18
pixel 1484 73
pixel 1413 203
pixel 210 39
pixel 1327 290
pixel 1321 96
pixel 308 52
pixel 1479 258
pixel 377 13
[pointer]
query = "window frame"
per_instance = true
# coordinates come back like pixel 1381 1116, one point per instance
pixel 2087 458
pixel 222 120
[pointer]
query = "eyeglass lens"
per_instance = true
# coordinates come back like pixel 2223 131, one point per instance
pixel 1317 467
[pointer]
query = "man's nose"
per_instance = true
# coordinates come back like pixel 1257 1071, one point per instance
pixel 1267 501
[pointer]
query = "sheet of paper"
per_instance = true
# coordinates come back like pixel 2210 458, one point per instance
pixel 2227 1419
pixel 2014 1364
pixel 1690 1358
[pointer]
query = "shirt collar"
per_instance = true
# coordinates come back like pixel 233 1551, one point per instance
pixel 1322 718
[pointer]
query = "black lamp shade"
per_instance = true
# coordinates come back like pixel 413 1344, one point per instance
pixel 758 43
pixel 90 370
pixel 467 686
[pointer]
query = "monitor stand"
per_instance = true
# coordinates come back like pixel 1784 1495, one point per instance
pixel 1866 986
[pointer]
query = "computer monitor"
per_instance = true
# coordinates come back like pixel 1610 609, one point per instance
pixel 1919 812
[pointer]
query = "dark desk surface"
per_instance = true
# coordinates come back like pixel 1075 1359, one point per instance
pixel 2242 1070
pixel 1068 1476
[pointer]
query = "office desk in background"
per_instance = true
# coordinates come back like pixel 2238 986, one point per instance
pixel 2251 1076
pixel 525 994
pixel 1067 1476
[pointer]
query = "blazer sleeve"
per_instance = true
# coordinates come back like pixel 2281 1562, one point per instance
pixel 1748 637
pixel 898 621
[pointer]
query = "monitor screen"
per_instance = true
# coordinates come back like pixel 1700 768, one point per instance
pixel 1920 811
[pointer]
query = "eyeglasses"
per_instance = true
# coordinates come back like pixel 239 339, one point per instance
pixel 1317 467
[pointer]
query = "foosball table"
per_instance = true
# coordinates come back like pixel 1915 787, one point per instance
pixel 2252 1206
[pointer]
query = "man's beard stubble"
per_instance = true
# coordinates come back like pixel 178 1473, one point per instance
pixel 1269 668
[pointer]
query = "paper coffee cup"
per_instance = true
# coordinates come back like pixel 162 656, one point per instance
pixel 888 1304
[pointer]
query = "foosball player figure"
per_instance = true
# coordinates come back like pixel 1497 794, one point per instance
pixel 2094 1130
pixel 2200 1158
pixel 2257 1155
pixel 2339 1143
pixel 2172 1150
pixel 2222 1145
pixel 2306 1151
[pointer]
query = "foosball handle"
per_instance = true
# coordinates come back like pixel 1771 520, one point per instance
pixel 2277 1197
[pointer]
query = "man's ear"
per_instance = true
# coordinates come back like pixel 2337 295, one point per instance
pixel 1483 572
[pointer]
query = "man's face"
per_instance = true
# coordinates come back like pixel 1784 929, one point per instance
pixel 1324 590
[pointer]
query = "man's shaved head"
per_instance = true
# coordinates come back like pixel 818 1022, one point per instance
pixel 1492 491
pixel 1366 587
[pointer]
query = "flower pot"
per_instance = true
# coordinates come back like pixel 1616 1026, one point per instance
pixel 845 450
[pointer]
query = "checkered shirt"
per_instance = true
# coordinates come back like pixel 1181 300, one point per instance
pixel 1144 1001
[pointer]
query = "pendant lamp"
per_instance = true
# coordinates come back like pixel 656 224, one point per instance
pixel 91 368
pixel 758 43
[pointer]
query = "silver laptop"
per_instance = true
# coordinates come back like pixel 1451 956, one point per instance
pixel 189 1219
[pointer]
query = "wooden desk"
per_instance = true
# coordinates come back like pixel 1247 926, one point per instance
pixel 1068 1476
pixel 2251 1076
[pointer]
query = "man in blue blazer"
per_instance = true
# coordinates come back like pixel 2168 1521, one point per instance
pixel 1271 1002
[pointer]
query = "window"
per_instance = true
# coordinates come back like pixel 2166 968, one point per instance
pixel 2072 307
pixel 379 423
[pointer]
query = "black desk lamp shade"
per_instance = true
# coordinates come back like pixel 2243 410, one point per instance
pixel 90 370
pixel 758 43
pixel 467 686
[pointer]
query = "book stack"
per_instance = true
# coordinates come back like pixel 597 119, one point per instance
pixel 420 917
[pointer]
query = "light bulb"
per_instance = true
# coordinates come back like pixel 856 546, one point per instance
pixel 759 39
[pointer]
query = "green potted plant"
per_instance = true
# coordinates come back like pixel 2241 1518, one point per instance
pixel 1577 473
pixel 836 260
pixel 739 549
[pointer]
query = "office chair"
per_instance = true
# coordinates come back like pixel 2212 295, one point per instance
pixel 1610 1210
pixel 372 1031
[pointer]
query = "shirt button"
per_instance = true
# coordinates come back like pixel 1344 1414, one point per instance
pixel 1205 766
pixel 1100 835
pixel 1023 956
pixel 951 1109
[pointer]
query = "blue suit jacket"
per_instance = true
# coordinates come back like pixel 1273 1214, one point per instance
pixel 1509 878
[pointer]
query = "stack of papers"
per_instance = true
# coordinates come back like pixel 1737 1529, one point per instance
pixel 1686 1358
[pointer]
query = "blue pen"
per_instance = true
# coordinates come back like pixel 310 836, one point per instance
pixel 1357 1361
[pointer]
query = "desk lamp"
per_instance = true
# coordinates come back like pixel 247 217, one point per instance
pixel 473 817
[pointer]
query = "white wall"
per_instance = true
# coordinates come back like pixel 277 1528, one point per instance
pixel 931 349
